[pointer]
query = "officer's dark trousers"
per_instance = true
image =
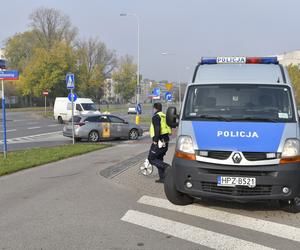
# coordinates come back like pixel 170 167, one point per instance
pixel 156 158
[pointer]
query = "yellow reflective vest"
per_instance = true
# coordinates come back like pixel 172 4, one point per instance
pixel 164 128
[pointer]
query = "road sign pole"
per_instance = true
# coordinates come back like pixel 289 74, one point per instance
pixel 72 98
pixel 45 105
pixel 4 121
pixel 70 81
pixel 179 90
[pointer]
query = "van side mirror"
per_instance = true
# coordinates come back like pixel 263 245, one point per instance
pixel 172 117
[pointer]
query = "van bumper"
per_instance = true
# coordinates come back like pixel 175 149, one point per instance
pixel 270 180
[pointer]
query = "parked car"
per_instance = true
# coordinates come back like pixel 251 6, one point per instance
pixel 131 111
pixel 82 106
pixel 104 126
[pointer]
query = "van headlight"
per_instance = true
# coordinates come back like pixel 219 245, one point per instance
pixel 185 148
pixel 291 148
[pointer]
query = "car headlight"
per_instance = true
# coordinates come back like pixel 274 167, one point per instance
pixel 291 148
pixel 185 144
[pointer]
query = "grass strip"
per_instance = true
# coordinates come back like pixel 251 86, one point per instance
pixel 19 160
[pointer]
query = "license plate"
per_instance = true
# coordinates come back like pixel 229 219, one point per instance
pixel 227 181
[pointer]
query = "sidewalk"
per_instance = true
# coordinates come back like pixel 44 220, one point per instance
pixel 144 185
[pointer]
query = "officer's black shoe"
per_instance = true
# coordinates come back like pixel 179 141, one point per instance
pixel 160 180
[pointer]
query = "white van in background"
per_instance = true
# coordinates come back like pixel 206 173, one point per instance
pixel 63 108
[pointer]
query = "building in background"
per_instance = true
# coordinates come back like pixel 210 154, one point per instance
pixel 292 57
pixel 109 91
pixel 2 54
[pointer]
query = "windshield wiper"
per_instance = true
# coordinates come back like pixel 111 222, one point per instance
pixel 254 119
pixel 211 117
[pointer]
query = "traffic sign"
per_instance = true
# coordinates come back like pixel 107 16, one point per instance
pixel 2 64
pixel 138 108
pixel 168 96
pixel 169 86
pixel 74 97
pixel 156 92
pixel 9 75
pixel 70 80
pixel 45 93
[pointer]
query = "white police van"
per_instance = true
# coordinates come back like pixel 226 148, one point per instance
pixel 238 134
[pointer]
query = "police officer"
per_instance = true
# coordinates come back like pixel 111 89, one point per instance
pixel 159 132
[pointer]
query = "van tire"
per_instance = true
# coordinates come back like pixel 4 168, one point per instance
pixel 290 206
pixel 93 136
pixel 60 120
pixel 172 194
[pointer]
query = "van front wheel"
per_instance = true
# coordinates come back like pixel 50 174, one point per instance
pixel 291 206
pixel 172 194
pixel 60 120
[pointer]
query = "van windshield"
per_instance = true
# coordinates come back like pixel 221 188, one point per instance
pixel 239 102
pixel 89 106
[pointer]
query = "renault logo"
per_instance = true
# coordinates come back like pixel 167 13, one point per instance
pixel 237 158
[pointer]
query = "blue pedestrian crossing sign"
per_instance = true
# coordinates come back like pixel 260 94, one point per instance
pixel 70 80
pixel 156 92
pixel 70 97
pixel 168 96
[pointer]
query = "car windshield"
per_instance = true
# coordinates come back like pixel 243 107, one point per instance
pixel 239 102
pixel 89 106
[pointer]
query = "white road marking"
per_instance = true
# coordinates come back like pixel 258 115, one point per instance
pixel 33 128
pixel 22 120
pixel 53 125
pixel 267 227
pixel 34 137
pixel 190 233
pixel 10 130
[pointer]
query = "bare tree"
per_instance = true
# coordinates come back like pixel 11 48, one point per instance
pixel 51 26
pixel 96 63
pixel 94 53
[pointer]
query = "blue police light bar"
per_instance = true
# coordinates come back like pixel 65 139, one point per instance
pixel 239 60
pixel 269 60
pixel 207 60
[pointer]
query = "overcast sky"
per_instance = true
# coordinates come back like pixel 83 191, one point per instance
pixel 186 29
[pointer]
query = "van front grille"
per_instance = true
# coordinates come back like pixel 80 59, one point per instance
pixel 250 156
pixel 237 172
pixel 238 190
pixel 256 156
pixel 219 155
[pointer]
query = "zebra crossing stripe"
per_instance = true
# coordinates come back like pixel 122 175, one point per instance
pixel 263 226
pixel 32 137
pixel 189 233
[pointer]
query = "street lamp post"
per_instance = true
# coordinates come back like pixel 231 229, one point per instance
pixel 137 120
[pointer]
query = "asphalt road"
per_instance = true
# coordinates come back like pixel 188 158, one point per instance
pixel 101 201
pixel 29 129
